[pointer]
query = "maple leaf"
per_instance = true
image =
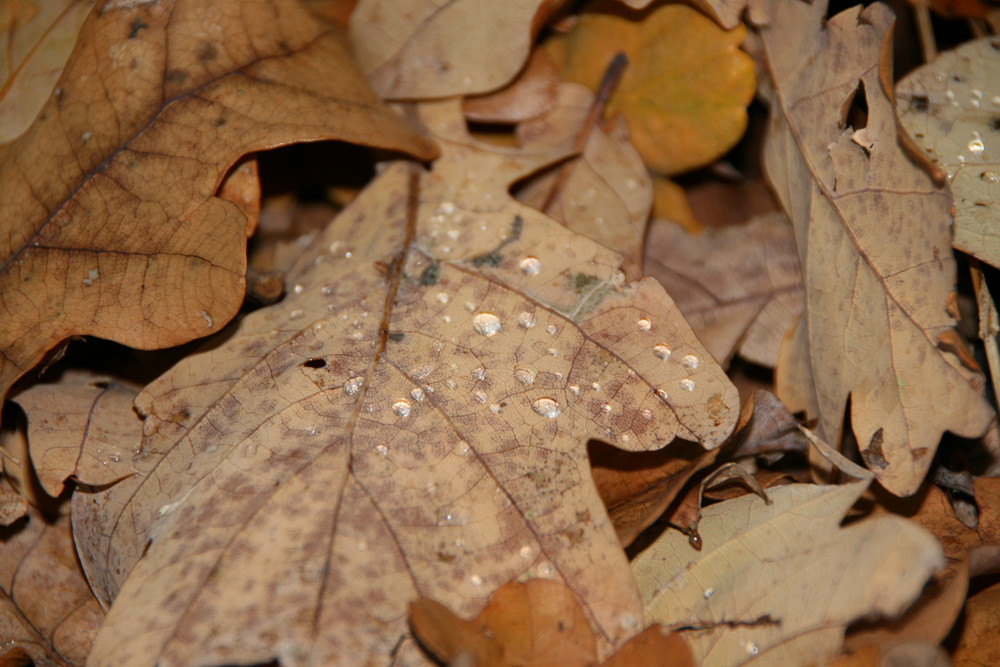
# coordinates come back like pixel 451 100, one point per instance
pixel 411 420
pixel 109 224
pixel 873 238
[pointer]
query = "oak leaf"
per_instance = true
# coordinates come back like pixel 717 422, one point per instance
pixel 685 90
pixel 740 287
pixel 46 608
pixel 872 232
pixel 782 581
pixel 950 108
pixel 411 420
pixel 36 37
pixel 109 224
pixel 535 623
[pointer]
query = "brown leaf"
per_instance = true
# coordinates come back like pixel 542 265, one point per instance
pixel 605 194
pixel 653 647
pixel 988 499
pixel 79 428
pixel 979 641
pixel 421 49
pixel 36 37
pixel 110 226
pixel 410 421
pixel 740 287
pixel 46 607
pixel 531 94
pixel 873 235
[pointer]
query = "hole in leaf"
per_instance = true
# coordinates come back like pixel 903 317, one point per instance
pixel 314 363
pixel 854 112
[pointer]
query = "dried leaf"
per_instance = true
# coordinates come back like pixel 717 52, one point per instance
pixel 80 427
pixel 873 235
pixel 687 86
pixel 950 108
pixel 979 641
pixel 36 37
pixel 739 287
pixel 410 421
pixel 46 607
pixel 605 194
pixel 531 94
pixel 782 581
pixel 110 227
pixel 988 499
pixel 421 49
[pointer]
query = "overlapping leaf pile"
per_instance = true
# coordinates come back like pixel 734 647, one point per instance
pixel 471 430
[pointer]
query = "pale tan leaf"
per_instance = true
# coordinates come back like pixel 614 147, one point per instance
pixel 740 287
pixel 605 194
pixel 46 607
pixel 79 427
pixel 410 421
pixel 950 108
pixel 110 226
pixel 781 581
pixel 532 93
pixel 873 233
pixel 421 49
pixel 36 37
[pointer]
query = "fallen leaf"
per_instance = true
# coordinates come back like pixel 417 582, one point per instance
pixel 782 581
pixel 46 607
pixel 604 194
pixel 36 37
pixel 873 235
pixel 685 90
pixel 979 640
pixel 77 428
pixel 950 108
pixel 537 622
pixel 409 421
pixel 670 202
pixel 740 287
pixel 988 499
pixel 110 226
pixel 422 49
pixel 531 94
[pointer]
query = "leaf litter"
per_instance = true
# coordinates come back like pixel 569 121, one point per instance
pixel 401 443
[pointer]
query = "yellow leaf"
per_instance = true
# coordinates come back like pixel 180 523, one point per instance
pixel 685 90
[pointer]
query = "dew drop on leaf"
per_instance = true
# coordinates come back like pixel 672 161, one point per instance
pixel 547 407
pixel 524 375
pixel 644 324
pixel 687 384
pixel 689 361
pixel 526 320
pixel 530 266
pixel 401 407
pixel 352 386
pixel 486 324
pixel 662 351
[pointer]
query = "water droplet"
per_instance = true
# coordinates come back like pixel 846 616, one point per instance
pixel 401 407
pixel 469 306
pixel 595 386
pixel 526 552
pixel 644 324
pixel 687 384
pixel 382 449
pixel 553 351
pixel 495 408
pixel 647 414
pixel 352 386
pixel 486 324
pixel 296 314
pixel 298 288
pixel 709 592
pixel 86 135
pixel 526 320
pixel 446 319
pixel 629 622
pixel 752 648
pixel 446 208
pixel 431 488
pixel 689 361
pixel 417 394
pixel 476 580
pixel 662 351
pixel 547 407
pixel 574 389
pixel 451 384
pixel 452 518
pixel 990 177
pixel 605 408
pixel 453 234
pixel 442 297
pixel 524 375
pixel 976 146
pixel 479 396
pixel 625 439
pixel 479 374
pixel 115 458
pixel 208 319
pixel 551 329
pixel 545 570
pixel 662 393
pixel 530 266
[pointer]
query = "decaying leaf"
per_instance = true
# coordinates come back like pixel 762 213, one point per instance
pixel 685 90
pixel 740 287
pixel 421 49
pixel 873 237
pixel 979 641
pixel 535 623
pixel 36 37
pixel 46 608
pixel 109 224
pixel 782 581
pixel 80 427
pixel 605 194
pixel 950 108
pixel 531 94
pixel 409 421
